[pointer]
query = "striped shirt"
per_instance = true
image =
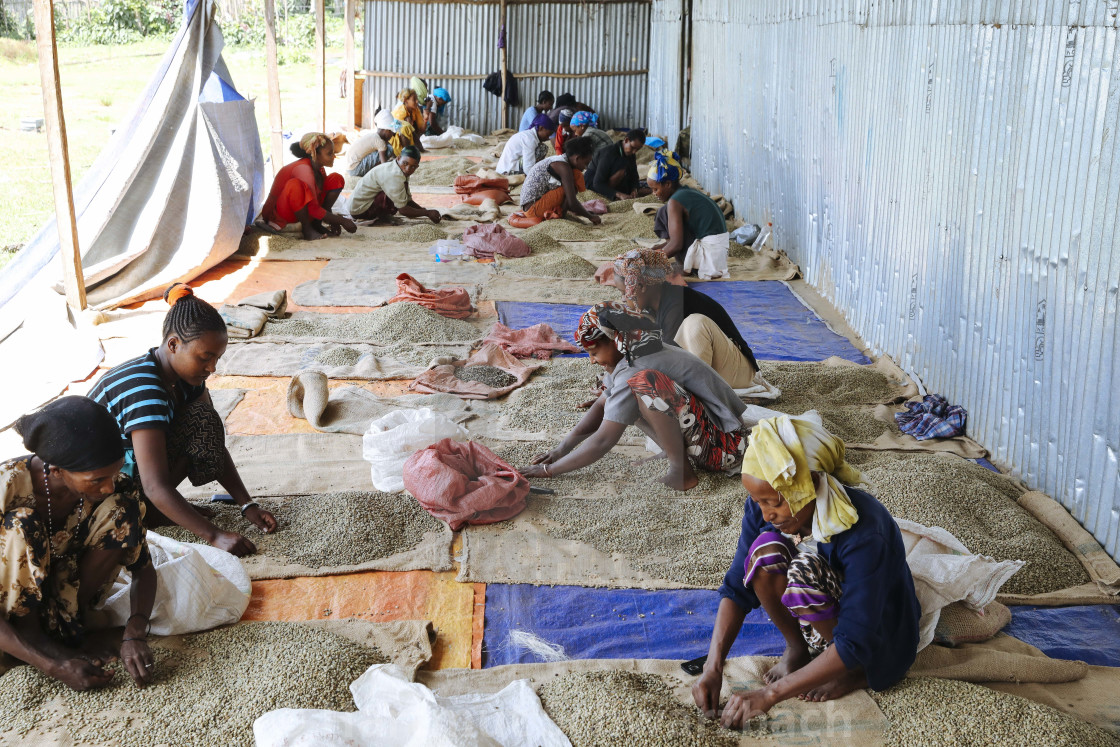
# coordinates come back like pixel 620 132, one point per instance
pixel 134 393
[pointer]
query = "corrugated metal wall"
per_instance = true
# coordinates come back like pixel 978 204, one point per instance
pixel 461 38
pixel 666 73
pixel 948 174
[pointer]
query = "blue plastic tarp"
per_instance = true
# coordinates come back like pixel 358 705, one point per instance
pixel 613 623
pixel 770 317
pixel 677 624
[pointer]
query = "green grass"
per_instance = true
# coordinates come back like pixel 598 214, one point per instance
pixel 100 84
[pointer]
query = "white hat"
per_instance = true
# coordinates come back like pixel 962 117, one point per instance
pixel 383 120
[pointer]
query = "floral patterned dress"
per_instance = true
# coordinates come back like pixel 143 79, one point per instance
pixel 31 579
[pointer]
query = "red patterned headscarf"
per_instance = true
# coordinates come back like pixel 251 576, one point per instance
pixel 647 266
pixel 633 333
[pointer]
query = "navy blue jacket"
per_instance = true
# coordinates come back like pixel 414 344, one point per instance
pixel 878 624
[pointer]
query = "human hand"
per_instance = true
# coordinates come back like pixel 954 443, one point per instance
pixel 435 216
pixel 233 543
pixel 138 661
pixel 705 691
pixel 80 674
pixel 547 457
pixel 261 519
pixel 744 706
pixel 595 219
pixel 348 224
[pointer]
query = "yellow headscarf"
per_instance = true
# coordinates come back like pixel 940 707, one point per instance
pixel 418 85
pixel 785 451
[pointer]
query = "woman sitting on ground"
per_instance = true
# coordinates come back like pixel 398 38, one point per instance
pixel 435 111
pixel 384 192
pixel 827 563
pixel 70 523
pixel 613 172
pixel 409 120
pixel 525 149
pixel 687 317
pixel 169 428
pixel 552 187
pixel 688 217
pixel 563 131
pixel 304 193
pixel 586 124
pixel 671 395
pixel 545 100
pixel 374 147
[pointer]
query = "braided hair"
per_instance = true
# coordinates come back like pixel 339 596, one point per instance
pixel 190 317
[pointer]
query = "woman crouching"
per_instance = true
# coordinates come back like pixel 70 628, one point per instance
pixel 828 565
pixel 70 522
pixel 674 397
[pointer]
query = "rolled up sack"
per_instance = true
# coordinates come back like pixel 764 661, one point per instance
pixel 499 196
pixel 453 302
pixel 521 220
pixel 484 241
pixel 465 483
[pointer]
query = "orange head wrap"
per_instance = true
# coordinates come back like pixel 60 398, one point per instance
pixel 176 292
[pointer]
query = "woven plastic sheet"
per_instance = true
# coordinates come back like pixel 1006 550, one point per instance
pixel 773 321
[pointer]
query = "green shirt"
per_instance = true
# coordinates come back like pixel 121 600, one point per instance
pixel 704 216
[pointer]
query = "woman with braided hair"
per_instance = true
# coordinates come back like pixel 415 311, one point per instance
pixel 304 193
pixel 168 426
pixel 671 395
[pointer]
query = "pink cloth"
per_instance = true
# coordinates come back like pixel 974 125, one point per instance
pixel 596 207
pixel 488 239
pixel 539 341
pixel 465 483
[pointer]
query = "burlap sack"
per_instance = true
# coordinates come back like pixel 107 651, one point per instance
pixel 443 379
pixel 959 625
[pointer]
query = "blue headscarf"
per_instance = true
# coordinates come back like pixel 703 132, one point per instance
pixel 579 119
pixel 665 167
pixel 543 120
pixel 655 142
pixel 443 95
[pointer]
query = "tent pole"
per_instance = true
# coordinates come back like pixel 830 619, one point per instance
pixel 351 9
pixel 504 67
pixel 65 221
pixel 321 59
pixel 275 118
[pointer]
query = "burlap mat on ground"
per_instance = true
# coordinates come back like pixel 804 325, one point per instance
pixel 405 643
pixel 1102 569
pixel 1092 698
pixel 351 409
pixel 293 464
pixel 225 400
pixel 362 282
pixel 528 289
pixel 443 378
pixel 851 720
pixel 481 327
pixel 1001 659
pixel 290 358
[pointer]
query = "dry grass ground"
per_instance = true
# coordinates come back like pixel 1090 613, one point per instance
pixel 99 86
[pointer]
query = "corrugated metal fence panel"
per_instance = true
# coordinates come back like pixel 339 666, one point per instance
pixel 948 174
pixel 460 38
pixel 666 66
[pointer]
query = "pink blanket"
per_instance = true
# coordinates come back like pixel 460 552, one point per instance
pixel 539 341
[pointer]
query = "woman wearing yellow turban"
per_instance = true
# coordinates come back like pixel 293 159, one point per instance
pixel 410 124
pixel 827 563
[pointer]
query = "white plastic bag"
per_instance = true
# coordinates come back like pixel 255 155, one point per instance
pixel 198 587
pixel 394 711
pixel 392 439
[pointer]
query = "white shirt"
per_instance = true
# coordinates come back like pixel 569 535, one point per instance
pixel 521 152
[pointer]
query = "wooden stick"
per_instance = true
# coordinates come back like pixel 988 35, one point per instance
pixel 351 9
pixel 65 221
pixel 275 118
pixel 321 59
pixel 503 63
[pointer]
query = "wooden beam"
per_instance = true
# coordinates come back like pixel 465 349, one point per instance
pixel 484 76
pixel 321 60
pixel 65 221
pixel 504 66
pixel 275 118
pixel 351 10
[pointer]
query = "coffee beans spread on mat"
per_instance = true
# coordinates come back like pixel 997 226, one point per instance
pixel 554 264
pixel 627 708
pixel 548 403
pixel 491 376
pixel 330 529
pixel 978 507
pixel 441 172
pixel 807 386
pixel 421 232
pixel 342 356
pixel 208 689
pixel 397 322
pixel 948 713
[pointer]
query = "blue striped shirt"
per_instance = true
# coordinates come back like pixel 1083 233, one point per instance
pixel 134 393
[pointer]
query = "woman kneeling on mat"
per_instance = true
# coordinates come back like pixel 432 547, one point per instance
pixel 168 425
pixel 304 193
pixel 675 398
pixel 826 562
pixel 69 521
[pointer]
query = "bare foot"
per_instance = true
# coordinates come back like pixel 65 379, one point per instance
pixel 838 688
pixel 681 479
pixel 792 660
pixel 645 460
pixel 99 652
pixel 311 234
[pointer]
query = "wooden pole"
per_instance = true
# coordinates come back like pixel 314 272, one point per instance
pixel 321 60
pixel 504 67
pixel 65 222
pixel 351 9
pixel 275 118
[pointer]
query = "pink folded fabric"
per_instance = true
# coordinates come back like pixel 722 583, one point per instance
pixel 539 341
